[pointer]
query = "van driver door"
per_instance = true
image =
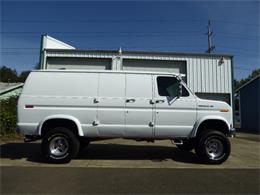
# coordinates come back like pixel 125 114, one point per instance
pixel 174 115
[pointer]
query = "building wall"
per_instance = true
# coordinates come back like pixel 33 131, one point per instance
pixel 205 74
pixel 250 106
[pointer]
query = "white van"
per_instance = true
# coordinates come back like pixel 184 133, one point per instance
pixel 68 108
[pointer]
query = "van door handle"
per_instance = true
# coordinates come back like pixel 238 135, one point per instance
pixel 151 124
pixel 159 101
pixel 96 100
pixel 130 100
pixel 95 123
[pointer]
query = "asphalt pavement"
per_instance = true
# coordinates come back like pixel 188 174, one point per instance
pixel 124 166
pixel 78 180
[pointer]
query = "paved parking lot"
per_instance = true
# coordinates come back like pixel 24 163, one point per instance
pixel 123 166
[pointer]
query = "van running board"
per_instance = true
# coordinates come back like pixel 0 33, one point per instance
pixel 177 141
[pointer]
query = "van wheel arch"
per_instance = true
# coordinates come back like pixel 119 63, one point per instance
pixel 216 124
pixel 53 123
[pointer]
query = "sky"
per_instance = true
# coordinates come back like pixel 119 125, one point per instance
pixel 179 26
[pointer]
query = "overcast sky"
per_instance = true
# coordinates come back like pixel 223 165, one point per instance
pixel 134 25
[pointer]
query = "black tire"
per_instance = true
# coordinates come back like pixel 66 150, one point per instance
pixel 213 147
pixel 60 145
pixel 187 146
pixel 83 143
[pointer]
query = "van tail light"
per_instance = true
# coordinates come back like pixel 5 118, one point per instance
pixel 28 106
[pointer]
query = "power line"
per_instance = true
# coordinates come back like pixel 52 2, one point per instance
pixel 99 21
pixel 238 35
pixel 236 48
pixel 18 48
pixel 128 34
pixel 100 32
pixel 76 20
pixel 237 23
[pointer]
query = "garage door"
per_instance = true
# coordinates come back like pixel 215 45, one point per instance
pixel 79 63
pixel 155 65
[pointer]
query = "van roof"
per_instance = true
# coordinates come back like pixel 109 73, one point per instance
pixel 110 71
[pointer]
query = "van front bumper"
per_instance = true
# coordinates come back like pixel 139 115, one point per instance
pixel 232 132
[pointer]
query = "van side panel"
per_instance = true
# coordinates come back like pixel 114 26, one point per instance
pixel 57 93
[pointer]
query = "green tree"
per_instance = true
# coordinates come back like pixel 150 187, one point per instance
pixel 22 77
pixel 8 75
pixel 254 74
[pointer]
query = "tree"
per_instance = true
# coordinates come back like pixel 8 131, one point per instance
pixel 8 75
pixel 23 76
pixel 254 73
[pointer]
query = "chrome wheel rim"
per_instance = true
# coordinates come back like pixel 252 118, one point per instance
pixel 214 149
pixel 59 146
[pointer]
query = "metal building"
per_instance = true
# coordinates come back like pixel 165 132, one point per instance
pixel 249 105
pixel 208 75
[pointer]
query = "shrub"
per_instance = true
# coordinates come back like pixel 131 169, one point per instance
pixel 8 116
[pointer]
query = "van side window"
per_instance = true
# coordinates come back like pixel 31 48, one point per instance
pixel 168 86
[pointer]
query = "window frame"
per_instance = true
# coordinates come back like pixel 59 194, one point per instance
pixel 180 81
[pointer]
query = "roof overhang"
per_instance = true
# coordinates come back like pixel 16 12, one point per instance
pixel 127 52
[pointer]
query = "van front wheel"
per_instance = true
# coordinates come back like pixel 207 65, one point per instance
pixel 60 145
pixel 213 147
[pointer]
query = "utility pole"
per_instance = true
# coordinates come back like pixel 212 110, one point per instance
pixel 211 48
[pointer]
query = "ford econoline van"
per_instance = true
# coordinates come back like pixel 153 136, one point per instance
pixel 67 109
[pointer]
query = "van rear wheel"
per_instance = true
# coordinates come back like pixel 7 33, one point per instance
pixel 60 145
pixel 213 147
